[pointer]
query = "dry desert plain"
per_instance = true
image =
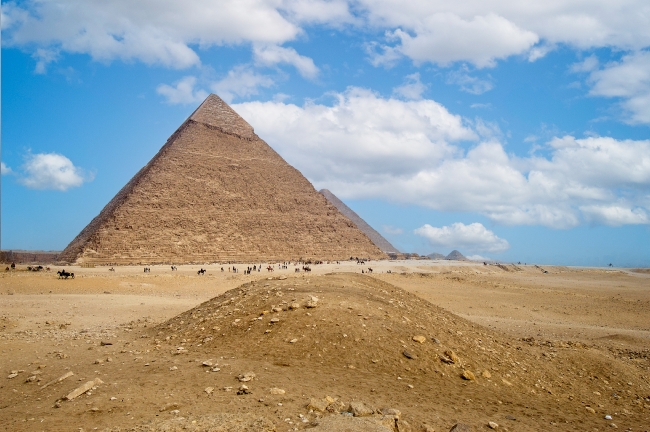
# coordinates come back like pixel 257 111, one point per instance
pixel 414 346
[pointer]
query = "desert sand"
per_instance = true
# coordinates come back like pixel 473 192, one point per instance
pixel 415 345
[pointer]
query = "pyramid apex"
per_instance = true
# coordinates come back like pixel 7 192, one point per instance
pixel 214 112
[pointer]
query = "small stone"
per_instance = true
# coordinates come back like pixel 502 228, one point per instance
pixel 486 374
pixel 319 405
pixel 207 363
pixel 274 320
pixel 293 341
pixel 468 375
pixel 492 425
pixel 215 369
pixel 452 356
pixel 435 341
pixel 359 409
pixel 12 375
pixel 246 376
pixel 408 355
pixel 420 339
pixel 312 302
pixel 608 417
pixel 173 368
pixel 243 390
pixel 99 361
pixel 391 412
pixel 83 389
pixel 209 390
pixel 509 417
pixel 591 410
pixel 294 306
pixel 277 391
pixel 506 382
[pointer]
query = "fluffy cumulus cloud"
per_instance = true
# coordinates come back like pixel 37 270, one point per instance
pixel 366 146
pixel 183 92
pixel 241 81
pixel 412 87
pixel 474 237
pixel 169 32
pixel 166 33
pixel 627 80
pixel 483 31
pixel 52 171
pixel 4 169
pixel 273 54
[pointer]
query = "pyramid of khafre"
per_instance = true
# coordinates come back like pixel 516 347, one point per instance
pixel 372 234
pixel 216 192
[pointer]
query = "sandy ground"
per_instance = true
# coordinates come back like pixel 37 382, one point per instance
pixel 576 328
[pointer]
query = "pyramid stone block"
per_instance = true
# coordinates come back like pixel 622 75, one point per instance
pixel 216 192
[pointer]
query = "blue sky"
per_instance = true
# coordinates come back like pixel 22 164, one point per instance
pixel 506 130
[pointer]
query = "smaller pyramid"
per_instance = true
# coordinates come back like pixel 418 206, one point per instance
pixel 436 256
pixel 379 240
pixel 456 256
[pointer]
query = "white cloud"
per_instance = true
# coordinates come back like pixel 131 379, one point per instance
pixel 241 82
pixel 170 33
pixel 365 146
pixel 468 83
pixel 270 55
pixel 628 80
pixel 52 171
pixel 477 258
pixel 483 31
pixel 412 87
pixel 615 215
pixel 43 58
pixel 4 169
pixel 183 92
pixel 474 237
pixel 388 229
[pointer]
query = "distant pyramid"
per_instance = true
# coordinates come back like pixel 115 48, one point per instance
pixel 216 192
pixel 436 256
pixel 456 256
pixel 373 235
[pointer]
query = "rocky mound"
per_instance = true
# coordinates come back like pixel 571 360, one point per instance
pixel 324 343
pixel 436 256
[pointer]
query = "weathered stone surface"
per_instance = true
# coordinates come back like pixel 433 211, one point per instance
pixel 83 388
pixel 452 356
pixel 277 391
pixel 468 375
pixel 419 338
pixel 216 192
pixel 359 409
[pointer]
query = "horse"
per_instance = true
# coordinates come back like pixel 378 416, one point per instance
pixel 297 270
pixel 147 270
pixel 306 268
pixel 174 268
pixel 111 269
pixel 200 272
pixel 369 270
pixel 269 268
pixel 64 274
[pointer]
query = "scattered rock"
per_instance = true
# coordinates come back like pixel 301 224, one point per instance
pixel 294 306
pixel 346 423
pixel 12 375
pixel 408 355
pixel 319 405
pixel 591 410
pixel 274 320
pixel 83 388
pixel 243 390
pixel 246 376
pixel 312 302
pixel 492 425
pixel 209 390
pixel 452 356
pixel 359 409
pixel 207 363
pixel 277 391
pixel 59 379
pixel 486 374
pixel 506 382
pixel 468 375
pixel 420 339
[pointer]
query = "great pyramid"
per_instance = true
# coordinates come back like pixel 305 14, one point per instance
pixel 372 234
pixel 216 192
